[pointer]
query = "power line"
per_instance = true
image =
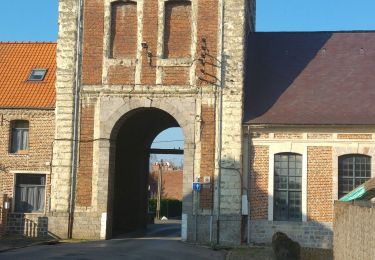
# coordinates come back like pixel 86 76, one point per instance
pixel 170 141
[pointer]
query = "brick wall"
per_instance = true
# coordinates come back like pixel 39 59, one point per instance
pixel 288 136
pixel 259 182
pixel 172 184
pixel 121 75
pixel 124 36
pixel 37 158
pixel 207 166
pixel 93 33
pixel 84 176
pixel 208 15
pixel 123 29
pixel 177 32
pixel 319 136
pixel 354 136
pixel 176 75
pixel 319 184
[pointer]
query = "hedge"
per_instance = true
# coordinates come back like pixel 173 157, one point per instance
pixel 168 207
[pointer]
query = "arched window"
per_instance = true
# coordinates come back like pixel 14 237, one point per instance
pixel 20 136
pixel 354 170
pixel 288 187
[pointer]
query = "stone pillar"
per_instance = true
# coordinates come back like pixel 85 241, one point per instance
pixel 232 60
pixel 62 150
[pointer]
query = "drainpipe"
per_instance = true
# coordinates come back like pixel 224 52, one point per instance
pixel 220 117
pixel 77 82
pixel 248 184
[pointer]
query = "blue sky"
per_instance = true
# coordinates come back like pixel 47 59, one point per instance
pixel 315 15
pixel 37 21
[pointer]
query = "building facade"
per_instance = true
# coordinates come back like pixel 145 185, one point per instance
pixel 128 70
pixel 309 126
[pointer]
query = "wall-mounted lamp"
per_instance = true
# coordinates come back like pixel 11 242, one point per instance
pixel 149 53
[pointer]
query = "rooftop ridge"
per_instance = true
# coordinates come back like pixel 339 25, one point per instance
pixel 27 42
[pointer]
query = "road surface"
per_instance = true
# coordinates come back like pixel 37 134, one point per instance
pixel 162 241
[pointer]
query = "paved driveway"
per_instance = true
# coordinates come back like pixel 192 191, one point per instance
pixel 162 241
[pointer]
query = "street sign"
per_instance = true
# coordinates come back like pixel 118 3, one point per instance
pixel 196 186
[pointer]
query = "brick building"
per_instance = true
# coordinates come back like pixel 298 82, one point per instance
pixel 128 70
pixel 278 124
pixel 309 129
pixel 27 127
pixel 171 182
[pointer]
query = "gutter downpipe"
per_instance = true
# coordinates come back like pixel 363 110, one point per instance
pixel 220 117
pixel 248 183
pixel 77 82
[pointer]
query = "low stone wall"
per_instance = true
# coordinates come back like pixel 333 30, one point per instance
pixel 28 225
pixel 307 234
pixel 354 225
pixel 202 229
pixel 86 225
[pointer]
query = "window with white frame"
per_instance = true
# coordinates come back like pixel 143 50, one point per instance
pixel 287 187
pixel 20 136
pixel 30 193
pixel 354 170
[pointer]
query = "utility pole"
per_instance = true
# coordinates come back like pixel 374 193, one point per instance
pixel 160 185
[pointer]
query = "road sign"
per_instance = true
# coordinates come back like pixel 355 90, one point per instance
pixel 196 186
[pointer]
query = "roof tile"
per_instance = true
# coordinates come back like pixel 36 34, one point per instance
pixel 316 78
pixel 17 59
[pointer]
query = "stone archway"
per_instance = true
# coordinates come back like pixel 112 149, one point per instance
pixel 115 128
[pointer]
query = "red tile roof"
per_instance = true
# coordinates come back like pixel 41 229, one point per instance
pixel 17 59
pixel 316 78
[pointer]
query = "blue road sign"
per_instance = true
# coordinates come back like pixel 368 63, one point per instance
pixel 196 186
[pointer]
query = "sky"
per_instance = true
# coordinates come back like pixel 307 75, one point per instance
pixel 36 20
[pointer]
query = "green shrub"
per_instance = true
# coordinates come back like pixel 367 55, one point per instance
pixel 168 207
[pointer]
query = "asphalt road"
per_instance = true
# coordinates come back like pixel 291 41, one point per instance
pixel 162 241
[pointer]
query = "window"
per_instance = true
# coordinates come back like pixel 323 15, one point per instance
pixel 37 74
pixel 287 187
pixel 30 193
pixel 354 170
pixel 20 136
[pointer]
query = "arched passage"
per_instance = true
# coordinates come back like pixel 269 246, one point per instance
pixel 131 138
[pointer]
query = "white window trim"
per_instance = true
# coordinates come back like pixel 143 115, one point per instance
pixel 287 147
pixel 339 151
